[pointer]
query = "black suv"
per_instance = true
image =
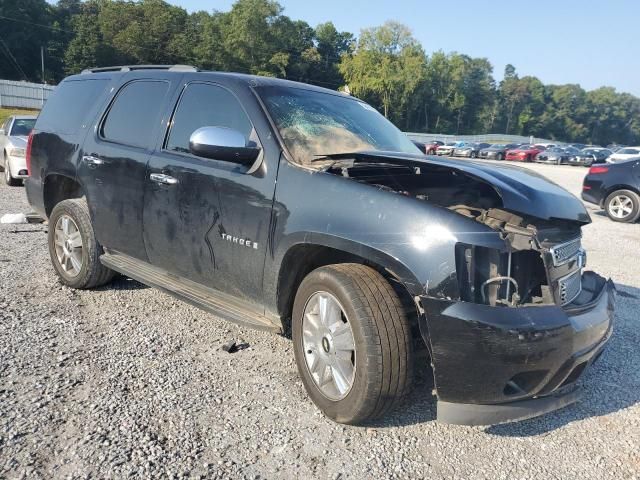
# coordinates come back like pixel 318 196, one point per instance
pixel 288 207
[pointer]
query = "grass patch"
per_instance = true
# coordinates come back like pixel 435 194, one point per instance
pixel 6 112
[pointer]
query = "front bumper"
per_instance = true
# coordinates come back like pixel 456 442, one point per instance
pixel 499 364
pixel 18 166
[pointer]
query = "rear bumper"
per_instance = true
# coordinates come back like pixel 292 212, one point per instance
pixel 592 191
pixel 35 195
pixel 499 364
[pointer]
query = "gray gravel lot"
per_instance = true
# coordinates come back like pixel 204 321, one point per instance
pixel 126 381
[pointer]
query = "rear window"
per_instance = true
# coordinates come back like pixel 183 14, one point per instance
pixel 135 113
pixel 67 108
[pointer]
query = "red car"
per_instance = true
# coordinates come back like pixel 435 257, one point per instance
pixel 433 146
pixel 524 153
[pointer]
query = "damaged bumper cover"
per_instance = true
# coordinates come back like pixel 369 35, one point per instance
pixel 500 364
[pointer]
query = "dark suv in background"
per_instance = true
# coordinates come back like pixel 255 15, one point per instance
pixel 615 187
pixel 288 207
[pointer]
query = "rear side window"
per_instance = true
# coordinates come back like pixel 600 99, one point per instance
pixel 206 105
pixel 135 113
pixel 66 110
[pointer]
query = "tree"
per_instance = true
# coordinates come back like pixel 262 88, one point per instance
pixel 384 64
pixel 20 43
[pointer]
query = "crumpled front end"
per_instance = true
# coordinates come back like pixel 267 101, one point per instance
pixel 511 318
pixel 525 326
pixel 495 364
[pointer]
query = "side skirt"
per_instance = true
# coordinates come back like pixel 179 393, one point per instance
pixel 191 292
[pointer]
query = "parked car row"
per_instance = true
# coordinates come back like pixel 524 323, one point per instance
pixel 575 154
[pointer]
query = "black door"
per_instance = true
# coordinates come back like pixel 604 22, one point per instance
pixel 112 168
pixel 206 219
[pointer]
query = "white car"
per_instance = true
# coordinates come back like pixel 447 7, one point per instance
pixel 625 153
pixel 13 146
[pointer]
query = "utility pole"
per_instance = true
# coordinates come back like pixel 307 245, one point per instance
pixel 42 61
pixel 42 65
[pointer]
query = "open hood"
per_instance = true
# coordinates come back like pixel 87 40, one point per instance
pixel 520 190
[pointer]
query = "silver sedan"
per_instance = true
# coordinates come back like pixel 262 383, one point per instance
pixel 13 146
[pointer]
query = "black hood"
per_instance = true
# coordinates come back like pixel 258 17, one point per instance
pixel 521 190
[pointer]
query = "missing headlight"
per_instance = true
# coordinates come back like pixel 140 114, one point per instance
pixel 492 277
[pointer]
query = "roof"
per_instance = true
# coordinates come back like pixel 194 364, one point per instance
pixel 250 80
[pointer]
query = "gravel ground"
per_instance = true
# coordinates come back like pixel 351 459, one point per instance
pixel 126 381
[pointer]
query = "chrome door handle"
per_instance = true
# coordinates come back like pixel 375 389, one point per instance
pixel 163 179
pixel 89 160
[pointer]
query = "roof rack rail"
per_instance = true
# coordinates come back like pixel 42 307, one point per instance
pixel 129 68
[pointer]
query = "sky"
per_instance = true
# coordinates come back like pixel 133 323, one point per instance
pixel 589 42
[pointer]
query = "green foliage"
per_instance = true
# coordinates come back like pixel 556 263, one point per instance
pixel 386 66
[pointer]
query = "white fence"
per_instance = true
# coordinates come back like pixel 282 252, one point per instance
pixel 24 94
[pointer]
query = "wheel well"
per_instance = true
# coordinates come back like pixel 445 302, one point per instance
pixel 610 190
pixel 58 188
pixel 302 259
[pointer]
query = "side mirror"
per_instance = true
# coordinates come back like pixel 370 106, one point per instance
pixel 221 143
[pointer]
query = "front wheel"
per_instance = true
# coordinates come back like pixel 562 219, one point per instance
pixel 623 206
pixel 500 157
pixel 474 154
pixel 352 342
pixel 73 248
pixel 8 177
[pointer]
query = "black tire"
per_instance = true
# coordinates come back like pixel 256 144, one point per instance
pixel 633 215
pixel 382 337
pixel 92 273
pixel 499 157
pixel 474 154
pixel 8 178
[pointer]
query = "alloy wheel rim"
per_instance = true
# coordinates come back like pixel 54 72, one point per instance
pixel 329 346
pixel 621 206
pixel 68 245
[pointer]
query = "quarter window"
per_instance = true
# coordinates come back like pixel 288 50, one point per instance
pixel 135 113
pixel 67 108
pixel 206 105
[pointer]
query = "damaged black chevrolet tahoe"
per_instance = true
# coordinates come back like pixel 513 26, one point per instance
pixel 282 206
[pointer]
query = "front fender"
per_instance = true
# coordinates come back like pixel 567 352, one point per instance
pixel 412 238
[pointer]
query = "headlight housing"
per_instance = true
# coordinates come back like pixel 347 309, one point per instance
pixel 17 152
pixel 491 277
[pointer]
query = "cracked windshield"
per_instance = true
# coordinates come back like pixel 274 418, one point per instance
pixel 314 124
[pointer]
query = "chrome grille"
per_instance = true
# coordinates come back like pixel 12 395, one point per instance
pixel 570 287
pixel 566 251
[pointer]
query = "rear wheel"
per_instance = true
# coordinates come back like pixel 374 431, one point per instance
pixel 623 206
pixel 73 248
pixel 352 342
pixel 474 154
